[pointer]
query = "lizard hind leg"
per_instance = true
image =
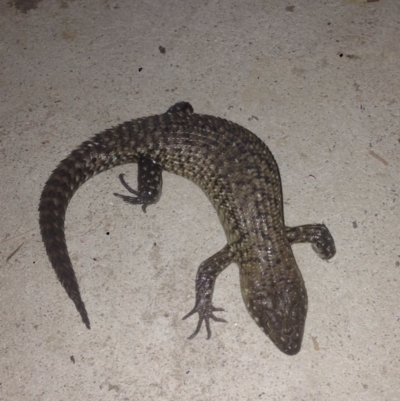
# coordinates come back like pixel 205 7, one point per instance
pixel 149 184
pixel 181 107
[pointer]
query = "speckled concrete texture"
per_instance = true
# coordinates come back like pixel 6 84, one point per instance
pixel 318 81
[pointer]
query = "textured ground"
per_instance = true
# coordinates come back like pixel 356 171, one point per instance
pixel 319 82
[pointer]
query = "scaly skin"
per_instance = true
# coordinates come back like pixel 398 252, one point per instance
pixel 240 177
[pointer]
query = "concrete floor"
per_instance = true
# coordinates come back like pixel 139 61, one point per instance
pixel 318 81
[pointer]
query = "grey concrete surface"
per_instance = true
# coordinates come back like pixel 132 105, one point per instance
pixel 318 81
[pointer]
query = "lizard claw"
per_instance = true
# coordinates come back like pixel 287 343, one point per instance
pixel 205 314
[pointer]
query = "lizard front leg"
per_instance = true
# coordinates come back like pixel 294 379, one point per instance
pixel 205 283
pixel 318 235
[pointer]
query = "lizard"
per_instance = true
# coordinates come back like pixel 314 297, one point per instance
pixel 239 175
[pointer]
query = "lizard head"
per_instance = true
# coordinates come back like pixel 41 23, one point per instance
pixel 278 308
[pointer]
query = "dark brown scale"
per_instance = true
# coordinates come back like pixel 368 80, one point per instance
pixel 238 174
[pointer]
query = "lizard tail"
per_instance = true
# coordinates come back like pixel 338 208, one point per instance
pixel 90 158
